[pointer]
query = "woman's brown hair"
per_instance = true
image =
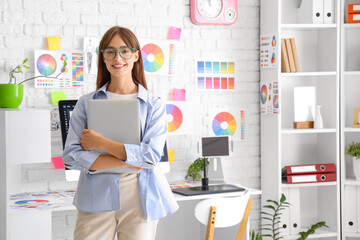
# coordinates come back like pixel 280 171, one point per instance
pixel 138 74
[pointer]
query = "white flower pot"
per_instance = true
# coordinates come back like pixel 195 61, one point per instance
pixel 356 166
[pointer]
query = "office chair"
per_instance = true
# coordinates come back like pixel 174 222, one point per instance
pixel 224 212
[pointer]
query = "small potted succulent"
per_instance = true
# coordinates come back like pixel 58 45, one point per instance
pixel 11 94
pixel 354 151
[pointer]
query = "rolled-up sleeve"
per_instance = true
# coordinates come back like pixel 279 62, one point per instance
pixel 74 157
pixel 148 153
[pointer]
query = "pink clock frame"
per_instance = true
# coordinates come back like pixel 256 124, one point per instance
pixel 229 7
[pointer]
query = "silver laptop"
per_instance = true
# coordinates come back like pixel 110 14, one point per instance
pixel 118 120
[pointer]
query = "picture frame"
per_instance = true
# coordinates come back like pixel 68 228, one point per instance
pixel 356 120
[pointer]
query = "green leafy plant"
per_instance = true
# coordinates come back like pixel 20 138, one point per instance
pixel 272 228
pixel 311 230
pixel 273 218
pixel 196 167
pixel 19 69
pixel 353 150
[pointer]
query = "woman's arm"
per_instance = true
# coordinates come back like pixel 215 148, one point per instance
pixel 109 161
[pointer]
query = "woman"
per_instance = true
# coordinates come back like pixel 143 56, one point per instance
pixel 128 205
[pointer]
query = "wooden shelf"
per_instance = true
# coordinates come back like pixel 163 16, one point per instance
pixel 309 130
pixel 351 181
pixel 309 74
pixel 307 26
pixel 320 233
pixel 298 185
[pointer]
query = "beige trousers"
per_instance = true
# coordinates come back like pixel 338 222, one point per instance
pixel 128 223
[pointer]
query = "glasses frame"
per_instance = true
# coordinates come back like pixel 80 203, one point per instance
pixel 118 50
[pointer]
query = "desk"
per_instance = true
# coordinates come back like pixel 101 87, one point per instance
pixel 38 222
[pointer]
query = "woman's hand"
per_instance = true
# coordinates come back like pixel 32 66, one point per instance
pixel 90 140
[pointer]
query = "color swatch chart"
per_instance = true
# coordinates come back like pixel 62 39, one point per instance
pixel 269 98
pixel 54 73
pixel 215 75
pixel 268 47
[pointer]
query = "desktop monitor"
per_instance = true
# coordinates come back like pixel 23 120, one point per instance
pixel 211 147
pixel 66 108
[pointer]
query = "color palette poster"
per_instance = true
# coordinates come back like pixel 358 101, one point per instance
pixel 54 73
pixel 177 117
pixel 268 51
pixel 228 123
pixel 91 52
pixel 158 56
pixel 269 98
pixel 215 75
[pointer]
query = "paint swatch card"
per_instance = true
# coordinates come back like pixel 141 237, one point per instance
pixel 269 98
pixel 58 69
pixel 268 51
pixel 228 123
pixel 215 75
pixel 157 56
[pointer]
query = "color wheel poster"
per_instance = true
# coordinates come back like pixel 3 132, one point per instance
pixel 215 74
pixel 269 98
pixel 177 117
pixel 50 65
pixel 228 123
pixel 158 56
pixel 268 53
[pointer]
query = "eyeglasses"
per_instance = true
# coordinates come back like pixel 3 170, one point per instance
pixel 124 52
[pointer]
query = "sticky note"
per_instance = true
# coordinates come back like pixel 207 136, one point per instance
pixel 179 94
pixel 174 33
pixel 58 163
pixel 171 155
pixel 53 43
pixel 56 97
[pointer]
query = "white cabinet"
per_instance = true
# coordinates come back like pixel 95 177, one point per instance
pixel 318 48
pixel 350 99
pixel 24 138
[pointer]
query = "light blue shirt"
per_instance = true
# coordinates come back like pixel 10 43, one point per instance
pixel 101 192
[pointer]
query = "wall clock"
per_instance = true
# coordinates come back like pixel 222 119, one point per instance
pixel 214 12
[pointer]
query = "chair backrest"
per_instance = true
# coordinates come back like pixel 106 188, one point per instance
pixel 226 212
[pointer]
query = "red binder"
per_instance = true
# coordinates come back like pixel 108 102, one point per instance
pixel 354 8
pixel 309 178
pixel 309 168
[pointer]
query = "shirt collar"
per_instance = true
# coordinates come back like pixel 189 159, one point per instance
pixel 101 92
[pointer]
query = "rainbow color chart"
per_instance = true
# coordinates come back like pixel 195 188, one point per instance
pixel 157 56
pixel 269 98
pixel 268 51
pixel 50 66
pixel 215 75
pixel 229 123
pixel 174 117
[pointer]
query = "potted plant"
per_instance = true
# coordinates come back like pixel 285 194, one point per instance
pixel 195 168
pixel 354 151
pixel 11 94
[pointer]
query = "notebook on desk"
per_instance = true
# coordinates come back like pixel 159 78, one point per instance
pixel 118 120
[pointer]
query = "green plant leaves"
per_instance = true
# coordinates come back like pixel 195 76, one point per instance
pixel 195 168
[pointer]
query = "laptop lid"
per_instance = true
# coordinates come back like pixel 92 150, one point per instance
pixel 118 120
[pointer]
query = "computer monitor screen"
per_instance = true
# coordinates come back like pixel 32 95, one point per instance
pixel 215 146
pixel 66 108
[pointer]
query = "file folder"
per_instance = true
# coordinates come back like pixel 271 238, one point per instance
pixel 285 67
pixel 295 214
pixel 354 8
pixel 285 214
pixel 309 168
pixel 329 11
pixel 354 18
pixel 311 11
pixel 350 209
pixel 290 55
pixel 309 178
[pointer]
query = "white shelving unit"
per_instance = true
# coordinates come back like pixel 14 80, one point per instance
pixel 318 47
pixel 350 86
pixel 24 138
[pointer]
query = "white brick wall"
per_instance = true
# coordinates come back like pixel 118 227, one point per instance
pixel 24 25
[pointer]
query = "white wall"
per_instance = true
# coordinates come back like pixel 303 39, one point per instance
pixel 25 24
